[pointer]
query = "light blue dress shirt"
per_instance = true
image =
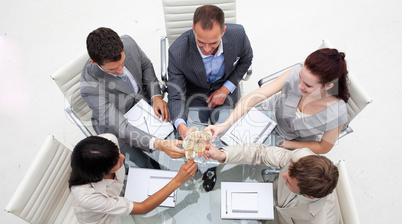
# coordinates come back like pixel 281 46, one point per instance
pixel 215 69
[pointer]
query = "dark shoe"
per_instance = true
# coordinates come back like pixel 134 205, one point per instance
pixel 209 178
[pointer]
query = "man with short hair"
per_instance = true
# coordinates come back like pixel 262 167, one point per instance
pixel 304 189
pixel 116 77
pixel 206 65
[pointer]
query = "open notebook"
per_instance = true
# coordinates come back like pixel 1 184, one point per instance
pixel 253 127
pixel 142 116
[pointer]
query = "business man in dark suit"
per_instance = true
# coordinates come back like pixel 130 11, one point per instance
pixel 115 78
pixel 206 65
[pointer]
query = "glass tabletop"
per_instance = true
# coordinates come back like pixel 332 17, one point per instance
pixel 193 203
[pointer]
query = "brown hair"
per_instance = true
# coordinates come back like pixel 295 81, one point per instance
pixel 330 66
pixel 104 46
pixel 317 175
pixel 208 15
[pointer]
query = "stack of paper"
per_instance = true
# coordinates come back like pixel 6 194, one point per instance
pixel 244 200
pixel 253 127
pixel 142 116
pixel 142 183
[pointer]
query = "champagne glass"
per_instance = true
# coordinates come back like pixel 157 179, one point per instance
pixel 190 154
pixel 193 129
pixel 188 143
pixel 195 135
pixel 200 148
pixel 206 134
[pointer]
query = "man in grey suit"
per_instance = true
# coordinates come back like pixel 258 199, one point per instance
pixel 206 65
pixel 115 78
pixel 304 189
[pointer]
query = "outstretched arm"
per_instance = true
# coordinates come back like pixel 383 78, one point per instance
pixel 248 102
pixel 325 145
pixel 169 147
pixel 186 172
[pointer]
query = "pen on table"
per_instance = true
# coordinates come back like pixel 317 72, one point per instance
pixel 226 202
pixel 145 120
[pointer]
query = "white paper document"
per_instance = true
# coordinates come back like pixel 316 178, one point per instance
pixel 142 183
pixel 245 200
pixel 142 116
pixel 253 127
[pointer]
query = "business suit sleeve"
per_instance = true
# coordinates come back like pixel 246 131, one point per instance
pixel 141 67
pixel 242 50
pixel 106 116
pixel 176 89
pixel 263 155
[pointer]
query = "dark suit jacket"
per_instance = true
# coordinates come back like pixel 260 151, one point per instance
pixel 186 71
pixel 110 98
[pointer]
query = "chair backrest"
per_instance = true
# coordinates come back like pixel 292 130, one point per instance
pixel 43 195
pixel 68 80
pixel 179 14
pixel 345 197
pixel 359 99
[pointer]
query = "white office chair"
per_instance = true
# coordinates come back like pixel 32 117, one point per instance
pixel 345 197
pixel 43 195
pixel 358 100
pixel 179 18
pixel 68 80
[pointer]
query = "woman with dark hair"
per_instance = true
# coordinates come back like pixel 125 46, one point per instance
pixel 97 177
pixel 310 107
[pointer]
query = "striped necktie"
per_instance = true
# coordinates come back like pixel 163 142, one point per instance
pixel 127 81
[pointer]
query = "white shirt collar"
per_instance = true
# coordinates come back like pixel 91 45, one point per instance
pixel 111 73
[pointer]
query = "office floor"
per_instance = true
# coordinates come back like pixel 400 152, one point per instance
pixel 38 37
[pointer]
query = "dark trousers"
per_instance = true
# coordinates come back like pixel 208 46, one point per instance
pixel 140 158
pixel 212 114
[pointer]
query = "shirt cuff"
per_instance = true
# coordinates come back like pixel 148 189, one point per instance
pixel 179 121
pixel 151 143
pixel 230 86
pixel 226 160
pixel 152 98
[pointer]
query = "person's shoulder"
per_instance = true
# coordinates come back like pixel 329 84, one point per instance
pixel 342 109
pixel 126 37
pixel 181 46
pixel 300 153
pixel 128 42
pixel 110 137
pixel 87 71
pixel 234 28
pixel 182 40
pixel 78 191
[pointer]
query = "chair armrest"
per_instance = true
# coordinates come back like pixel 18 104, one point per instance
pixel 345 132
pixel 273 76
pixel 345 197
pixel 163 59
pixel 74 118
pixel 248 74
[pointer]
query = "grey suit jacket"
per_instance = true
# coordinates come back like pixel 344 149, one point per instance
pixel 324 210
pixel 186 71
pixel 110 98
